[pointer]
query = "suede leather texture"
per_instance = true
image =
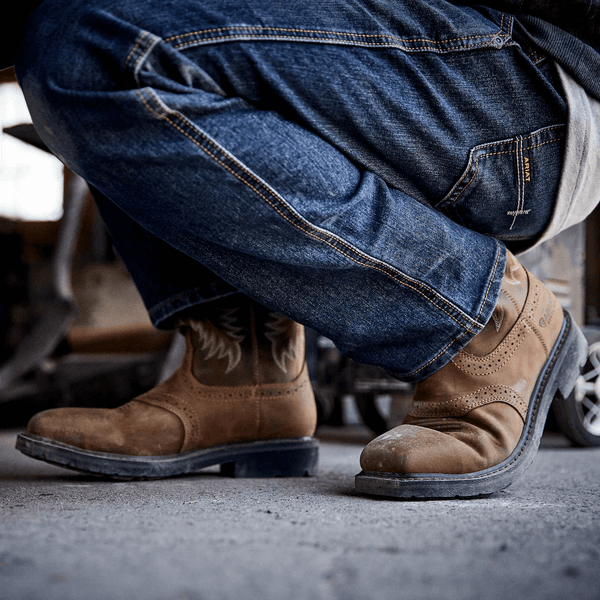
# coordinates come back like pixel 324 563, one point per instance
pixel 469 416
pixel 269 395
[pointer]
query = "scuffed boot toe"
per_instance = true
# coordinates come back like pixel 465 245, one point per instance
pixel 134 429
pixel 57 425
pixel 411 449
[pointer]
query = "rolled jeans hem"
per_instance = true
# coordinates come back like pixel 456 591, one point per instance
pixel 169 312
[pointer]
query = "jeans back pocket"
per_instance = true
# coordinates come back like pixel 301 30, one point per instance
pixel 509 187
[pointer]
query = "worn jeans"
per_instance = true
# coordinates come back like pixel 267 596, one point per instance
pixel 358 165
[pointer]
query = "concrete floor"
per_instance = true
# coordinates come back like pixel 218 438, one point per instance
pixel 67 536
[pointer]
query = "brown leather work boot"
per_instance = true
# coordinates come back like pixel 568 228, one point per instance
pixel 241 398
pixel 476 424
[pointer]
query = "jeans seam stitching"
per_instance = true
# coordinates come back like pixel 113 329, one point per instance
pixel 440 353
pixel 390 44
pixel 467 327
pixel 142 37
pixel 484 302
pixel 520 180
pixel 143 53
pixel 536 57
pixel 325 31
pixel 344 37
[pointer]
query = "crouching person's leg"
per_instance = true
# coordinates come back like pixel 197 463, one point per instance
pixel 211 129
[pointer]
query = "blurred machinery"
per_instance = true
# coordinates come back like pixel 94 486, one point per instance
pixel 70 340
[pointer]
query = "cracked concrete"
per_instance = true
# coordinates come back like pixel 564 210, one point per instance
pixel 67 536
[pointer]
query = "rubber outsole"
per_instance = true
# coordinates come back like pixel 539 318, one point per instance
pixel 557 379
pixel 294 457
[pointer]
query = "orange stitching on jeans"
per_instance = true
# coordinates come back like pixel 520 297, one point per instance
pixel 336 33
pixel 137 44
pixel 432 45
pixel 558 139
pixel 303 228
pixel 476 166
pixel 342 34
pixel 339 41
pixel 142 56
pixel 536 57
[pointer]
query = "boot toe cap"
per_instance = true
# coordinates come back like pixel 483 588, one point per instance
pixel 410 449
pixel 132 429
pixel 59 425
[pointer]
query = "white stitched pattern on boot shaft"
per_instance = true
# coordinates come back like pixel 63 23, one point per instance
pixel 222 340
pixel 281 333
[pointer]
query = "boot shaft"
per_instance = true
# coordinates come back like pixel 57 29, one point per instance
pixel 238 342
pixel 501 363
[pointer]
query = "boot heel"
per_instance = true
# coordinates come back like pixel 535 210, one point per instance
pixel 276 460
pixel 575 358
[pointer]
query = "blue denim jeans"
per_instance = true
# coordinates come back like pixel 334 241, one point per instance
pixel 360 166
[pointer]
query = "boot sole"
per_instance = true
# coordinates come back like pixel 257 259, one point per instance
pixel 295 457
pixel 556 380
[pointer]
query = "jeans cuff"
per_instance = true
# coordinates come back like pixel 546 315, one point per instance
pixel 166 314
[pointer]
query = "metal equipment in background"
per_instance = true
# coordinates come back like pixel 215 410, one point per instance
pixel 54 364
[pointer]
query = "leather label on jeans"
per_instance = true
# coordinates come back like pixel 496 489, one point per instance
pixel 527 169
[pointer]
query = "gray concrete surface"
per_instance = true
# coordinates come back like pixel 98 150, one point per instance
pixel 66 536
